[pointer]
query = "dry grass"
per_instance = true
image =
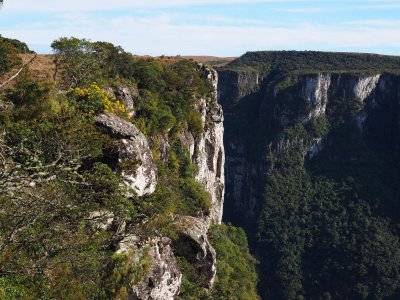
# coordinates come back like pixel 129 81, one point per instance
pixel 211 60
pixel 42 68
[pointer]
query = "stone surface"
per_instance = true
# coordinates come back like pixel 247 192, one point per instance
pixel 209 147
pixel 116 127
pixel 315 92
pixel 195 247
pixel 127 95
pixel 163 279
pixel 135 160
pixel 273 107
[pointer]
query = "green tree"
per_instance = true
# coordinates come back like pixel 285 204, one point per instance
pixel 77 60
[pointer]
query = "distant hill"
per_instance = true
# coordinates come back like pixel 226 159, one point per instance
pixel 307 61
pixel 213 61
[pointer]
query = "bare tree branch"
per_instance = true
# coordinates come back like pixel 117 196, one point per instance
pixel 19 71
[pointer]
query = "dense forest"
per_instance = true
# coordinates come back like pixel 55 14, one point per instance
pixel 315 61
pixel 57 174
pixel 326 221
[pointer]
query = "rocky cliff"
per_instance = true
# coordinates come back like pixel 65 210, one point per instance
pixel 256 110
pixel 135 164
pixel 209 148
pixel 287 129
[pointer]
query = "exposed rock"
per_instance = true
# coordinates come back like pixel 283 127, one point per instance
pixel 102 220
pixel 314 148
pixel 310 96
pixel 163 280
pixel 117 127
pixel 209 147
pixel 135 160
pixel 195 247
pixel 365 86
pixel 187 141
pixel 141 175
pixel 163 146
pixel 315 91
pixel 126 95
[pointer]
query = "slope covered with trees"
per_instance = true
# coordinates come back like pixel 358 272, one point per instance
pixel 313 174
pixel 58 183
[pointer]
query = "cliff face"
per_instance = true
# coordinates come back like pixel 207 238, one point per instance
pixel 139 172
pixel 210 149
pixel 207 151
pixel 291 135
pixel 258 108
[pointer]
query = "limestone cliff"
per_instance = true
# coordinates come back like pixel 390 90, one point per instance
pixel 256 110
pixel 133 160
pixel 209 147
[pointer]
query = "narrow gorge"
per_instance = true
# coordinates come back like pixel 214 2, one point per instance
pixel 273 176
pixel 312 170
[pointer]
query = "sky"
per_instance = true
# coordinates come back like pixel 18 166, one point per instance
pixel 208 27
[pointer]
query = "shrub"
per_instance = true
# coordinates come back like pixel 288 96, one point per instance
pixel 92 100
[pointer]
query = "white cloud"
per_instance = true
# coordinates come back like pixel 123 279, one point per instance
pixel 383 6
pixel 159 35
pixel 375 22
pixel 13 6
pixel 305 10
pixel 104 5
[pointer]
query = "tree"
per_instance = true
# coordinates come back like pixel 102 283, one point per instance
pixel 76 57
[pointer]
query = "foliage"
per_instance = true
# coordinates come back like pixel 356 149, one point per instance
pixel 324 222
pixel 19 46
pixel 177 193
pixel 236 272
pixel 93 100
pixel 82 61
pixel 170 92
pixel 76 57
pixel 8 56
pixel 58 185
pixel 52 180
pixel 236 277
pixel 127 270
pixel 315 61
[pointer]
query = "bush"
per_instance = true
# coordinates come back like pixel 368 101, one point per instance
pixel 93 100
pixel 236 269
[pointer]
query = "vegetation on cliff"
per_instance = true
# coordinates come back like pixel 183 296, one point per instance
pixel 326 225
pixel 59 188
pixel 315 61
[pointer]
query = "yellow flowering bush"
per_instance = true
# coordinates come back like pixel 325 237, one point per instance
pixel 93 99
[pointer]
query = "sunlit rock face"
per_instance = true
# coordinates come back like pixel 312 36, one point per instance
pixel 207 150
pixel 134 157
pixel 193 244
pixel 256 106
pixel 162 278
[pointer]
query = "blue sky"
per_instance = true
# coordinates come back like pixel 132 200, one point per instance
pixel 209 27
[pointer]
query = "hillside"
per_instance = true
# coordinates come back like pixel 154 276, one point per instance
pixel 312 170
pixel 315 61
pixel 112 179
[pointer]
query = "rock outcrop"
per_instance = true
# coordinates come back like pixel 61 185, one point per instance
pixel 315 93
pixel 257 106
pixel 127 95
pixel 134 158
pixel 209 152
pixel 193 244
pixel 163 278
pixel 134 162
